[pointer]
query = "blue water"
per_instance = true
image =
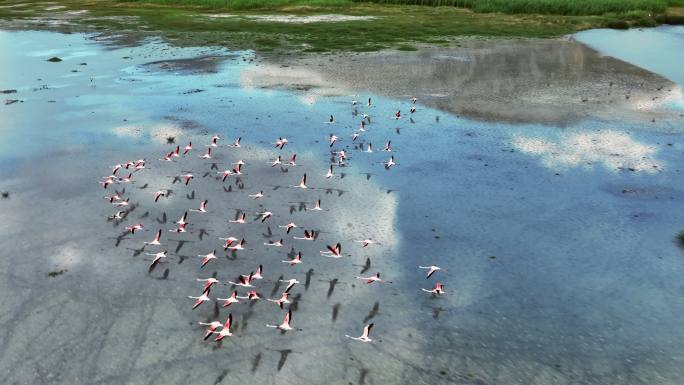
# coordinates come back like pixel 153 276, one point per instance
pixel 660 50
pixel 559 244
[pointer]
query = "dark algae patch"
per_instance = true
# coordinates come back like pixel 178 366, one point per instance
pixel 56 273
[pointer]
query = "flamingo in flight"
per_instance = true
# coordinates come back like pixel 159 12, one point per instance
pixel 308 236
pixel 372 278
pixel 242 219
pixel 302 183
pixel 202 208
pixel 155 241
pixel 289 227
pixel 285 326
pixel 211 327
pixel 284 299
pixel 157 257
pixel 296 260
pixel 208 283
pixel 230 300
pixel 431 270
pixel 245 281
pixel 364 336
pixel 200 300
pixel 333 251
pixel 438 289
pixel 225 330
pixel 133 228
pixel 207 257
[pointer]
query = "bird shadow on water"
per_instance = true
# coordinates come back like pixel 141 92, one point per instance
pixel 255 362
pixel 373 312
pixel 335 311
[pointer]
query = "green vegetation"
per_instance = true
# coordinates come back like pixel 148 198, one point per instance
pixel 244 4
pixel 395 26
pixel 549 7
pixel 543 7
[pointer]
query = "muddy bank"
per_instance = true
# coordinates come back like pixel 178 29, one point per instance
pixel 555 82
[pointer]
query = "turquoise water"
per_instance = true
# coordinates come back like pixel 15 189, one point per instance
pixel 660 50
pixel 558 242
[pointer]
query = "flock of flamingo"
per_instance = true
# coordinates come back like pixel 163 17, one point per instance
pixel 248 283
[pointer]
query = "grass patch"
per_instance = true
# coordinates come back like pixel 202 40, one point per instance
pixel 395 26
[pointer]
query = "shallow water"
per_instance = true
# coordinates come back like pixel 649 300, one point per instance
pixel 660 50
pixel 559 242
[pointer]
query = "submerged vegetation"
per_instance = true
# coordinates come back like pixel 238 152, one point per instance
pixel 232 23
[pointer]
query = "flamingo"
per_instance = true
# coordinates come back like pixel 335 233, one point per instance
pixel 212 326
pixel 372 278
pixel 330 173
pixel 214 141
pixel 280 143
pixel 245 281
pixel 157 258
pixel 308 236
pixel 289 227
pixel 284 298
pixel 126 179
pixel 370 148
pixel 187 148
pixel 239 246
pixel 333 252
pixel 285 326
pixel 388 146
pixel 293 160
pixel 202 208
pixel 229 242
pixel 180 229
pixel 332 139
pixel 241 219
pixel 132 228
pixel 278 243
pixel 225 331
pixel 236 144
pixel 317 206
pixel 277 161
pixel 159 194
pixel 117 216
pixel 251 295
pixel 431 270
pixel 155 241
pixel 187 178
pixel 367 242
pixel 225 174
pixel 230 300
pixel 200 300
pixel 438 289
pixel 182 220
pixel 389 163
pixel 257 195
pixel 207 155
pixel 122 203
pixel 364 337
pixel 302 183
pixel 207 257
pixel 290 283
pixel 265 215
pixel 208 283
pixel 296 260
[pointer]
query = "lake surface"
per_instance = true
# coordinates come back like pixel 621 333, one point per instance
pixel 559 242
